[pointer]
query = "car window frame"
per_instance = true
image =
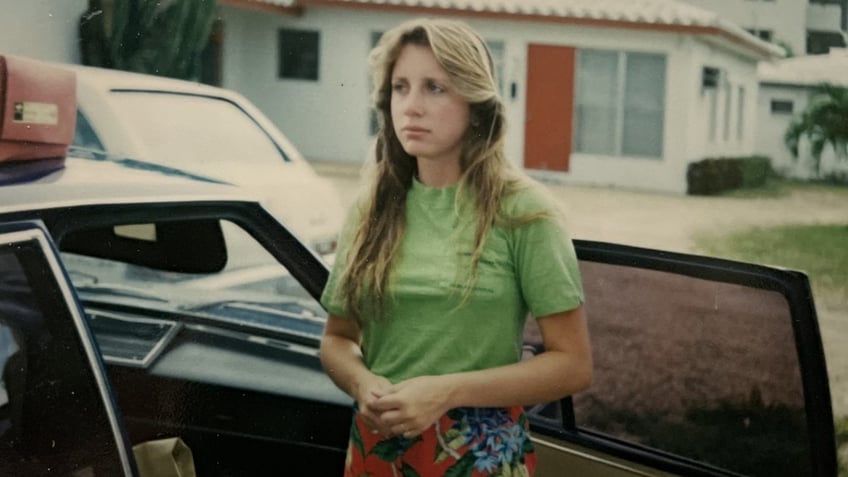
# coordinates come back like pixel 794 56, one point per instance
pixel 34 232
pixel 795 288
pixel 302 263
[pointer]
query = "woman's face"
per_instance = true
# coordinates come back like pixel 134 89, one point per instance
pixel 430 117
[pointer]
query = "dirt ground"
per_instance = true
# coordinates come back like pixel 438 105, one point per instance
pixel 671 222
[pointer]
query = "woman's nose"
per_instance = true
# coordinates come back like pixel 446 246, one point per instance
pixel 413 105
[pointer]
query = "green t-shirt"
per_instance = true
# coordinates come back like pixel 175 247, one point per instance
pixel 531 268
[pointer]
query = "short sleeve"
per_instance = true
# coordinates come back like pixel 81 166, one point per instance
pixel 545 260
pixel 332 298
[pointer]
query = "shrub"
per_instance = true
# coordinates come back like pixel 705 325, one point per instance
pixel 714 175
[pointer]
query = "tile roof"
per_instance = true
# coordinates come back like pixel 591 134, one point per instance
pixel 807 70
pixel 659 13
pixel 670 12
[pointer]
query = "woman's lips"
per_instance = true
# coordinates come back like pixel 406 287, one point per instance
pixel 413 133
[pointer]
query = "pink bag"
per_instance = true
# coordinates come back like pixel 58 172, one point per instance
pixel 37 116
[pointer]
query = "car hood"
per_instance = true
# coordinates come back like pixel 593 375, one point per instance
pixel 302 200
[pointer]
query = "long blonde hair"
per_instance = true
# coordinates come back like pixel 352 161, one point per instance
pixel 485 171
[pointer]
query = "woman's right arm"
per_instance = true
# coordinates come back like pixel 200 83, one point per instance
pixel 341 358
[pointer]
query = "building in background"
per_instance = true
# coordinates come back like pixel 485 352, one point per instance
pixel 41 29
pixel 805 26
pixel 617 93
pixel 785 87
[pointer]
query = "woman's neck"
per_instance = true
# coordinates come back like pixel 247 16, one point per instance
pixel 438 173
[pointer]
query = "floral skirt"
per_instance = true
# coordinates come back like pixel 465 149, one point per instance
pixel 465 442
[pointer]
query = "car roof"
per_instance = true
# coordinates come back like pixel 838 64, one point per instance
pixel 108 79
pixel 90 181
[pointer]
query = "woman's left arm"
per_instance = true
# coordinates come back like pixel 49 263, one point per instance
pixel 564 368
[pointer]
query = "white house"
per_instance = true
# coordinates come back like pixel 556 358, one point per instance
pixel 785 87
pixel 41 29
pixel 806 26
pixel 613 92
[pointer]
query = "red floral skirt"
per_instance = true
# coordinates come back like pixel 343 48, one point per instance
pixel 465 442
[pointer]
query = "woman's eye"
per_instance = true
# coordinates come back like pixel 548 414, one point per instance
pixel 436 88
pixel 399 87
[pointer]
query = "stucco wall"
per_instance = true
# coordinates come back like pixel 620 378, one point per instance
pixel 43 29
pixel 773 127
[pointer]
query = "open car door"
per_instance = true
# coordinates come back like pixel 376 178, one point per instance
pixel 702 367
pixel 57 415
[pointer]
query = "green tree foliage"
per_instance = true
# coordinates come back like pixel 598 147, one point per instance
pixel 160 37
pixel 824 122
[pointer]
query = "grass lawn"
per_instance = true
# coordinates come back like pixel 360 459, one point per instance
pixel 819 250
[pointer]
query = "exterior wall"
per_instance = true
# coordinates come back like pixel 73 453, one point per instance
pixel 44 29
pixel 666 173
pixel 774 125
pixel 325 119
pixel 824 17
pixel 328 119
pixel 718 126
pixel 779 16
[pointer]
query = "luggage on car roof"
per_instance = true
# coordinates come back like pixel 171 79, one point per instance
pixel 37 119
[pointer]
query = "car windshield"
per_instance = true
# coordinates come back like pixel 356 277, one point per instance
pixel 134 308
pixel 197 131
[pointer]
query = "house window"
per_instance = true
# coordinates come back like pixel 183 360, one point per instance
pixel 299 54
pixel 760 33
pixel 620 103
pixel 781 106
pixel 496 48
pixel 728 102
pixel 820 42
pixel 740 114
pixel 713 118
pixel 373 121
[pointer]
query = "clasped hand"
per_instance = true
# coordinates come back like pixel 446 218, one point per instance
pixel 407 408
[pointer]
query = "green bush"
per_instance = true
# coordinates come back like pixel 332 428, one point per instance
pixel 714 175
pixel 842 444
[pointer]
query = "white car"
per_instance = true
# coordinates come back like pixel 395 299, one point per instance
pixel 211 132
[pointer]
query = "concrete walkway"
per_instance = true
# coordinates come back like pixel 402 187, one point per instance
pixel 671 222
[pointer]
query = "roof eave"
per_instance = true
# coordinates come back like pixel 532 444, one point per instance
pixel 719 32
pixel 293 9
pixel 738 38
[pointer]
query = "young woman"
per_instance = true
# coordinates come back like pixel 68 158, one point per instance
pixel 437 269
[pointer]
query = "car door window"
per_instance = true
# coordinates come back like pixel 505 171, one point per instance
pixel 55 413
pixel 698 368
pixel 701 360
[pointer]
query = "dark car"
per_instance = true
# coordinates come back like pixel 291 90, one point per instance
pixel 138 303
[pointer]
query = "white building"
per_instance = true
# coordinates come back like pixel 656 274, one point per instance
pixel 785 87
pixel 41 29
pixel 806 26
pixel 616 92
pixel 611 92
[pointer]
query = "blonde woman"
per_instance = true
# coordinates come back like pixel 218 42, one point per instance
pixel 438 266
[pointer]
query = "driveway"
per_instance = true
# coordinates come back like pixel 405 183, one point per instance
pixel 671 222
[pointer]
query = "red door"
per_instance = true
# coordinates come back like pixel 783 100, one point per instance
pixel 550 107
